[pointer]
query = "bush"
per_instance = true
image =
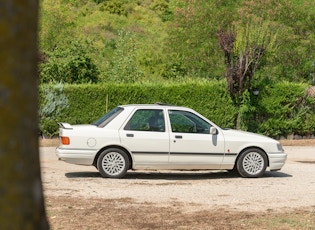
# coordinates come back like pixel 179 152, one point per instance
pixel 70 65
pixel 87 102
pixel 284 108
pixel 279 110
pixel 52 103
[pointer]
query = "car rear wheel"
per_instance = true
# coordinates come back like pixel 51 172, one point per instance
pixel 113 163
pixel 252 163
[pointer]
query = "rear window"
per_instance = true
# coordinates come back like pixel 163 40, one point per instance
pixel 108 117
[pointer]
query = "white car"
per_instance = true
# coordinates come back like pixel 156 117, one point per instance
pixel 161 136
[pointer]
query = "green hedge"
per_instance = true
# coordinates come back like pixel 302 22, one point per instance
pixel 279 110
pixel 285 108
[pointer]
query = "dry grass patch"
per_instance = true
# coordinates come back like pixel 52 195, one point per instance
pixel 54 142
pixel 79 213
pixel 303 142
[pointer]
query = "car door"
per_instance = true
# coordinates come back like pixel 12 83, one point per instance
pixel 191 144
pixel 145 136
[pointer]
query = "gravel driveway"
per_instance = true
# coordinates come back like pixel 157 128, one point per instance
pixel 292 187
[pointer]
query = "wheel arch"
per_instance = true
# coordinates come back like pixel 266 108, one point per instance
pixel 113 146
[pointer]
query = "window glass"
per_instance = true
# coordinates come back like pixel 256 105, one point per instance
pixel 104 120
pixel 187 122
pixel 147 120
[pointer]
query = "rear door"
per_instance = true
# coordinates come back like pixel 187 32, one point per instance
pixel 146 137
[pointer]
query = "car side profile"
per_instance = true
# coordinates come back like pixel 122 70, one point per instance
pixel 159 136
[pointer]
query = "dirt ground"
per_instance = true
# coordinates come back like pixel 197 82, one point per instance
pixel 78 198
pixel 73 213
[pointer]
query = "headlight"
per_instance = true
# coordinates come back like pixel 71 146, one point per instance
pixel 279 146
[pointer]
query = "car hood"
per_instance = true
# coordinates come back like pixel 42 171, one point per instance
pixel 246 136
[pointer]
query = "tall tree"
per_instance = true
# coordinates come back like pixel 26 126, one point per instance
pixel 294 22
pixel 244 50
pixel 21 196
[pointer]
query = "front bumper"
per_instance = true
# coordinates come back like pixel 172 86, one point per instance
pixel 76 156
pixel 276 160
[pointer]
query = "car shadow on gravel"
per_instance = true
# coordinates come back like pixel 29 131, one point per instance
pixel 276 174
pixel 184 175
pixel 83 175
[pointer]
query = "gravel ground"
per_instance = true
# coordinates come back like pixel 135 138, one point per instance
pixel 291 188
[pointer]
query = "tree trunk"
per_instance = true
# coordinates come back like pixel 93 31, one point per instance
pixel 21 195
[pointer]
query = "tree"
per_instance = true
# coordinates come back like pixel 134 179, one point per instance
pixel 71 64
pixel 21 196
pixel 295 34
pixel 123 67
pixel 244 50
pixel 192 43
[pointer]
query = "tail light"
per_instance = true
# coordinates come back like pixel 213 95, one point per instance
pixel 65 140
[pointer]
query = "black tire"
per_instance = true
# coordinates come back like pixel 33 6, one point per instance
pixel 113 163
pixel 252 163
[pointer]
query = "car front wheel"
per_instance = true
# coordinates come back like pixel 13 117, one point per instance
pixel 113 163
pixel 252 163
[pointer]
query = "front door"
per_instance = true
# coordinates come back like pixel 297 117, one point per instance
pixel 191 144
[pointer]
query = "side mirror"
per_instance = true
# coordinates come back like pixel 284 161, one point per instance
pixel 213 130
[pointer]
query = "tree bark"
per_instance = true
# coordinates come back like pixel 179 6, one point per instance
pixel 21 194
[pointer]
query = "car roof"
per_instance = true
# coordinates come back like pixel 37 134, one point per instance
pixel 156 105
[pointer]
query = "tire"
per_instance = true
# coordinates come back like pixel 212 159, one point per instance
pixel 252 163
pixel 113 163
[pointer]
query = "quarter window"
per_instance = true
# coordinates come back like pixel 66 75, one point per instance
pixel 147 120
pixel 104 120
pixel 187 122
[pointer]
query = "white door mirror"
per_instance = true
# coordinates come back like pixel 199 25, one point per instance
pixel 213 130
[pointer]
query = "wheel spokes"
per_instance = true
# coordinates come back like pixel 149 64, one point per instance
pixel 113 163
pixel 253 163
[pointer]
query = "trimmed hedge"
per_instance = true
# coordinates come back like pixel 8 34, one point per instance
pixel 285 108
pixel 279 110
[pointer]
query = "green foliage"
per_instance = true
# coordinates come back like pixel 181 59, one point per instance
pixel 113 6
pixel 57 24
pixel 174 69
pixel 52 102
pixel 246 111
pixel 255 34
pixel 162 8
pixel 279 110
pixel 153 44
pixel 123 67
pixel 87 102
pixel 286 109
pixel 70 65
pixel 293 21
pixel 192 36
pixel 179 37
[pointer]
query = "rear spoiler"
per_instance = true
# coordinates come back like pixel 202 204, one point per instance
pixel 65 125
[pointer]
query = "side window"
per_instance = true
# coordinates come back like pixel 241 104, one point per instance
pixel 104 120
pixel 147 120
pixel 186 122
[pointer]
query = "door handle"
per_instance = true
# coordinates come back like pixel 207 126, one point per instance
pixel 178 137
pixel 129 135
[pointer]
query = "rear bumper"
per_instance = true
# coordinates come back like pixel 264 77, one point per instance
pixel 276 160
pixel 76 156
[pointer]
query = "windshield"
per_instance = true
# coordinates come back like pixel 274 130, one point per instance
pixel 104 120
